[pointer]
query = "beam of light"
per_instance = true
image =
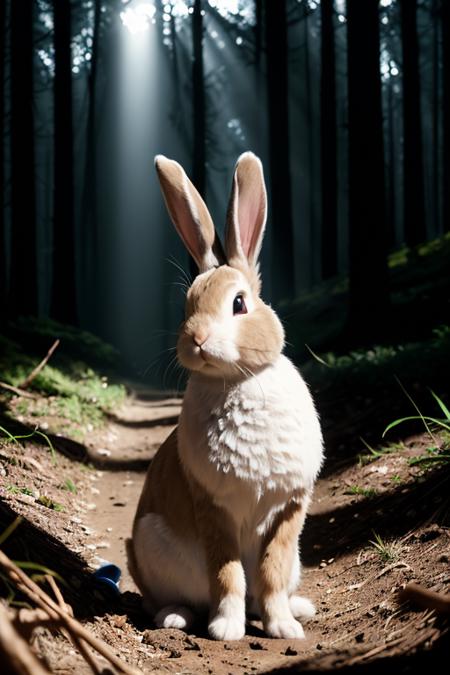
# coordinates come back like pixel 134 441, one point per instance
pixel 137 19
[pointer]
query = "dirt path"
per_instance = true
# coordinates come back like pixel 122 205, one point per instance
pixel 353 583
pixel 124 450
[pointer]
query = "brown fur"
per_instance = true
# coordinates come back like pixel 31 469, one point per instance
pixel 190 512
pixel 277 552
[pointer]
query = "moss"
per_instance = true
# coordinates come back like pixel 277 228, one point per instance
pixel 70 389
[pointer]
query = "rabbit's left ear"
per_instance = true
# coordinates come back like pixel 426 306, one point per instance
pixel 247 211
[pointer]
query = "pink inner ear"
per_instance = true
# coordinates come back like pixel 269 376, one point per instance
pixel 250 218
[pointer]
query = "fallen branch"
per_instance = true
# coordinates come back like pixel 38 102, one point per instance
pixel 424 598
pixel 389 568
pixel 16 390
pixel 29 379
pixel 16 654
pixel 76 641
pixel 55 612
pixel 26 620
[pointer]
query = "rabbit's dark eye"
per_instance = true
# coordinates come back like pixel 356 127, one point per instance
pixel 239 305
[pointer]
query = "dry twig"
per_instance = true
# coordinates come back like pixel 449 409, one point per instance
pixel 28 380
pixel 16 390
pixel 75 639
pixel 56 612
pixel 16 653
pixel 424 598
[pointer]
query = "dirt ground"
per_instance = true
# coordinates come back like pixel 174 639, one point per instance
pixel 374 525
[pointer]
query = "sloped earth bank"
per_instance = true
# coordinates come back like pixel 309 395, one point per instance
pixel 360 624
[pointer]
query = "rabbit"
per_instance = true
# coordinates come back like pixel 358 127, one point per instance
pixel 225 498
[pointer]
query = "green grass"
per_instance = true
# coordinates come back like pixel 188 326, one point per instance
pixel 419 286
pixel 364 492
pixel 69 485
pixel 387 551
pixel 49 503
pixel 74 391
pixel 430 423
pixel 438 429
pixel 11 438
pixel 15 490
pixel 374 454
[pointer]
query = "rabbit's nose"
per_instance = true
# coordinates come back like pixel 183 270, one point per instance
pixel 200 337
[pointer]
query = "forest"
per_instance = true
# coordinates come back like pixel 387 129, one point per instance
pixel 347 104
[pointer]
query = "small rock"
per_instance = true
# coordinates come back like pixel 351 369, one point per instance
pixel 104 452
pixel 256 646
pixel 290 652
pixel 118 620
pixel 191 645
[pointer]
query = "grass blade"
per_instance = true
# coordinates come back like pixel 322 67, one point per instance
pixel 441 404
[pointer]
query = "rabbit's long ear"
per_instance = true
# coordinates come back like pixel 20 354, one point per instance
pixel 189 214
pixel 247 211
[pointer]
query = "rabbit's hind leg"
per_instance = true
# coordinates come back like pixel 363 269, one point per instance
pixel 172 571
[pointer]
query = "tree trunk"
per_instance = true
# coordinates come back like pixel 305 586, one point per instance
pixel 280 177
pixel 414 200
pixel 435 153
pixel 64 304
pixel 328 142
pixel 23 295
pixel 258 30
pixel 367 222
pixel 445 9
pixel 89 218
pixel 391 167
pixel 3 279
pixel 198 108
pixel 198 87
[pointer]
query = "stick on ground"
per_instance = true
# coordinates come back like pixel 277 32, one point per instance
pixel 29 379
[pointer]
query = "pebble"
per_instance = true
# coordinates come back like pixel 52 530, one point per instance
pixel 91 506
pixel 104 452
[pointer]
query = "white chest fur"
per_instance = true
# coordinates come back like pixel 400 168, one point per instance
pixel 251 440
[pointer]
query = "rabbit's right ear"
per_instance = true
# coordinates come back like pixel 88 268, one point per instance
pixel 189 214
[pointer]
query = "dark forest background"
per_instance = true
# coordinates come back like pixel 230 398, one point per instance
pixel 347 104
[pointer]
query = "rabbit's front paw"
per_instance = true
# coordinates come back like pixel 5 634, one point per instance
pixel 284 628
pixel 226 628
pixel 174 616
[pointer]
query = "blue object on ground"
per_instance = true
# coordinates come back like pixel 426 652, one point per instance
pixel 109 574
